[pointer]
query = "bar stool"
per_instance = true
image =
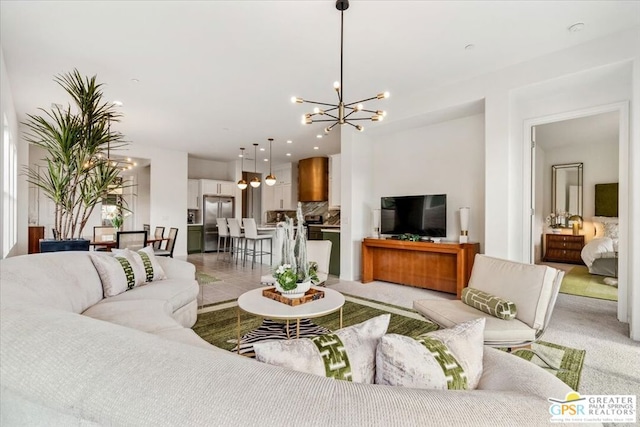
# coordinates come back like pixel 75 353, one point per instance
pixel 251 235
pixel 237 237
pixel 223 234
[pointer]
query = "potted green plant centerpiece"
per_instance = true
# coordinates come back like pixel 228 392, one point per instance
pixel 295 273
pixel 78 171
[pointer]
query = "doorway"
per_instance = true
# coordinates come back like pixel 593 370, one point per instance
pixel 567 138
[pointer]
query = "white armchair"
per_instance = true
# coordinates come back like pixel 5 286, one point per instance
pixel 533 289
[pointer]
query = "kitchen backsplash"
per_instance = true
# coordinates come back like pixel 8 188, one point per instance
pixel 308 208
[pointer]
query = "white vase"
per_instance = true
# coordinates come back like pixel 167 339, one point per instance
pixel 298 292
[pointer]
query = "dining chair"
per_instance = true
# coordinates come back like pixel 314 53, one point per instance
pixel 103 233
pixel 237 238
pixel 251 235
pixel 132 240
pixel 146 227
pixel 223 234
pixel 158 234
pixel 171 243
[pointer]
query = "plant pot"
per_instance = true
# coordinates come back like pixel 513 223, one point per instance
pixel 298 292
pixel 51 245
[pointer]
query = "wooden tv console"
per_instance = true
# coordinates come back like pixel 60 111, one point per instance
pixel 442 267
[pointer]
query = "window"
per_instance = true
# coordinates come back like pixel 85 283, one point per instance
pixel 9 190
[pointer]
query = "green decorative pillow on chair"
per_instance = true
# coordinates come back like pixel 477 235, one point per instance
pixel 490 304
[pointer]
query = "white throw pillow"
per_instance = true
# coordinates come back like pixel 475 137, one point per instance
pixel 118 273
pixel 347 354
pixel 440 360
pixel 146 264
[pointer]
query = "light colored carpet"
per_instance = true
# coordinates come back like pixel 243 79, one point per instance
pixel 612 360
pixel 578 281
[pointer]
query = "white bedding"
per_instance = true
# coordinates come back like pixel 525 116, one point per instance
pixel 599 247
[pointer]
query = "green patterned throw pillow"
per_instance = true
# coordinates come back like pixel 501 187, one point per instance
pixel 490 304
pixel 347 354
pixel 144 262
pixel 118 273
pixel 447 359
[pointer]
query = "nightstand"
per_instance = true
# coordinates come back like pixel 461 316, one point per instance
pixel 563 248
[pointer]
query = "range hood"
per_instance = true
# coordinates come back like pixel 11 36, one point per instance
pixel 313 179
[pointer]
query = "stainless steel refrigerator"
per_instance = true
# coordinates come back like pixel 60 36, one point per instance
pixel 215 207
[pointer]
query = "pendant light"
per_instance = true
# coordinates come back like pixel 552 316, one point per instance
pixel 271 178
pixel 255 181
pixel 242 184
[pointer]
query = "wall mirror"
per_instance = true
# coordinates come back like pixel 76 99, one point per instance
pixel 566 189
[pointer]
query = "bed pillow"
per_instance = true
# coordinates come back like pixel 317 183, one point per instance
pixel 488 303
pixel 347 354
pixel 599 224
pixel 118 272
pixel 447 359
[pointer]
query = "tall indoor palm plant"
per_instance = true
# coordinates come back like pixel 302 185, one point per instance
pixel 77 139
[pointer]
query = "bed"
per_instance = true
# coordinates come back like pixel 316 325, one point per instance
pixel 600 255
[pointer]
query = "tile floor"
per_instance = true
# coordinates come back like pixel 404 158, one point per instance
pixel 234 280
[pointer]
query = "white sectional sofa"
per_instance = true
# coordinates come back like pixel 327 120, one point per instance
pixel 70 357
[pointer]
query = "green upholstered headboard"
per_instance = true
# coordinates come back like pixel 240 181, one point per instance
pixel 607 200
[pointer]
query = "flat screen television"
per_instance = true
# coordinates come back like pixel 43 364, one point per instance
pixel 423 215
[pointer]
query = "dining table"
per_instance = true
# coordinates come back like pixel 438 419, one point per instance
pixel 110 244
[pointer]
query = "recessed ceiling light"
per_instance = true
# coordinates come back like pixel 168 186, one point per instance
pixel 117 103
pixel 266 160
pixel 288 154
pixel 470 47
pixel 289 141
pixel 318 136
pixel 262 149
pixel 578 26
pixel 316 148
pixel 240 155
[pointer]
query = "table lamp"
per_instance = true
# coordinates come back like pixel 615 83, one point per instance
pixel 576 224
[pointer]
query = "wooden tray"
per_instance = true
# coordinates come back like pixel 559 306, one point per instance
pixel 310 295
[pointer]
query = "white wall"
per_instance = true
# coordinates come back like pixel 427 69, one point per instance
pixel 445 158
pixel 357 177
pixel 142 198
pixel 168 190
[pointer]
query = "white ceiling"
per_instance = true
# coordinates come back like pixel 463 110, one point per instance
pixel 218 75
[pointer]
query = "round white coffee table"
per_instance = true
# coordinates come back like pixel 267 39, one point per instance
pixel 254 302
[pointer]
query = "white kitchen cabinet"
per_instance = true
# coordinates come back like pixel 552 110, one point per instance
pixel 334 181
pixel 213 187
pixel 194 197
pixel 284 194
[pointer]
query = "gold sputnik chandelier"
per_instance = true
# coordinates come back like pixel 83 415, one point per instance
pixel 341 113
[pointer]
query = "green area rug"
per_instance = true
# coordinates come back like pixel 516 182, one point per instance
pixel 568 360
pixel 217 324
pixel 204 278
pixel 578 281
